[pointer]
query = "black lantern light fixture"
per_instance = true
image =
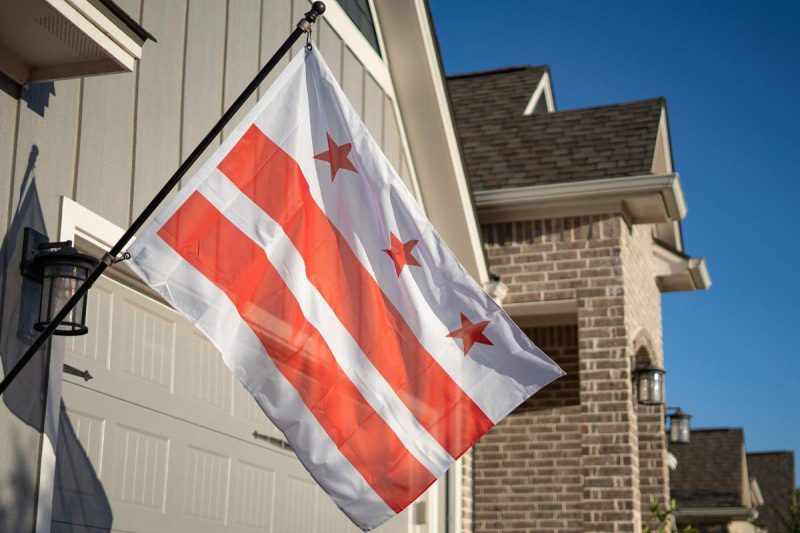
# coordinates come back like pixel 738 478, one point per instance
pixel 679 429
pixel 649 381
pixel 61 269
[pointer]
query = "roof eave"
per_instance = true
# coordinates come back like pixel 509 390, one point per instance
pixel 678 272
pixel 645 199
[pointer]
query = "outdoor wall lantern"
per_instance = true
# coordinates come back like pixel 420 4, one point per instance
pixel 61 269
pixel 679 430
pixel 649 385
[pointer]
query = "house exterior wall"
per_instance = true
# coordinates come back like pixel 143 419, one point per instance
pixel 643 321
pixel 109 143
pixel 571 454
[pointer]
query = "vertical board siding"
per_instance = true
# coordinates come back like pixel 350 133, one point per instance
pixel 276 24
pixel 159 100
pixel 53 137
pixel 9 107
pixel 373 108
pixel 105 153
pixel 241 54
pixel 353 80
pixel 391 135
pixel 204 72
pixel 330 45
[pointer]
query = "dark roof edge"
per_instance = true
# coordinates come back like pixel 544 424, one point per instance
pixel 774 452
pixel 502 70
pixel 135 27
pixel 606 106
pixel 697 430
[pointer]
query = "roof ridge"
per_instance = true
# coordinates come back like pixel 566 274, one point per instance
pixel 661 99
pixel 772 452
pixel 723 428
pixel 501 70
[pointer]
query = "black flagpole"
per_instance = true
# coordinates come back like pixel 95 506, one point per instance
pixel 317 9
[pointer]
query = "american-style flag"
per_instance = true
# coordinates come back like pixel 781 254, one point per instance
pixel 302 256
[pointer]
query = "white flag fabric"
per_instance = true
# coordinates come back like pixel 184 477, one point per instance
pixel 299 252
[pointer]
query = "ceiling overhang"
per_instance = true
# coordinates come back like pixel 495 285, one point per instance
pixel 43 40
pixel 643 199
pixel 677 272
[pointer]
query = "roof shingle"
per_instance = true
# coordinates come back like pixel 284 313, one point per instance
pixel 774 472
pixel 502 147
pixel 709 471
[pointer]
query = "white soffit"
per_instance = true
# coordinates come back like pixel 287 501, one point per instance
pixel 548 312
pixel 412 57
pixel 676 272
pixel 51 39
pixel 644 199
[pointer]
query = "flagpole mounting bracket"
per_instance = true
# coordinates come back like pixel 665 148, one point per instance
pixel 317 9
pixel 109 259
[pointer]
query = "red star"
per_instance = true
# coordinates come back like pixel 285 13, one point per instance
pixel 400 252
pixel 471 333
pixel 337 157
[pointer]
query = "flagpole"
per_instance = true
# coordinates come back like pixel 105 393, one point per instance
pixel 303 26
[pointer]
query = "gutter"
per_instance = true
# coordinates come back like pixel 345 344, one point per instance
pixel 717 512
pixel 695 266
pixel 666 185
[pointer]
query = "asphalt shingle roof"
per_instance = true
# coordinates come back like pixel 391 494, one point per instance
pixel 709 471
pixel 774 472
pixel 504 148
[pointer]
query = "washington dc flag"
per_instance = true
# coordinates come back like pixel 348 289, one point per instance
pixel 302 256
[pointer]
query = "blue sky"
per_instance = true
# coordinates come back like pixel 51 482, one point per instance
pixel 729 71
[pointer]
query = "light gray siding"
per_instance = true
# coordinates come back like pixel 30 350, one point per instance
pixel 110 142
pixel 159 127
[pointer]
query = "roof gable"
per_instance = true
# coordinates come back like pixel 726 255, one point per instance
pixel 710 470
pixel 507 149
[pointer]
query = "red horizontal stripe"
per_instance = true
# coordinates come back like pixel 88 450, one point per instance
pixel 274 181
pixel 240 268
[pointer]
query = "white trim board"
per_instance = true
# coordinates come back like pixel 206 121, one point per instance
pixel 663 191
pixel 543 88
pixel 353 39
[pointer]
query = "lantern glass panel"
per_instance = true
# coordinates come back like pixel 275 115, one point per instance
pixel 651 386
pixel 60 281
pixel 679 430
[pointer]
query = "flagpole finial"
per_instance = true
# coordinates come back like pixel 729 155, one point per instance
pixel 317 9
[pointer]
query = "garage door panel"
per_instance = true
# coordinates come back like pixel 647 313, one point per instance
pixel 162 438
pixel 146 353
pixel 94 349
pixel 253 497
pixel 79 496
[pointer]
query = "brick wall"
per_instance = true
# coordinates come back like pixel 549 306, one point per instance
pixel 645 341
pixel 606 266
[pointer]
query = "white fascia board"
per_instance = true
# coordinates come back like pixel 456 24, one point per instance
pixel 558 194
pixel 543 89
pixel 528 314
pixel 352 37
pixel 98 30
pixel 107 26
pixel 677 272
pixel 452 141
pixel 436 156
pixel 716 512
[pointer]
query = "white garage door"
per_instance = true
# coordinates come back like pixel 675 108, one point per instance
pixel 161 439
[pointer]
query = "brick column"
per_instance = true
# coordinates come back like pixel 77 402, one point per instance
pixel 609 443
pixel 653 469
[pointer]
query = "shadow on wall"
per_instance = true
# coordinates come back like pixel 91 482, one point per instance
pixel 79 494
pixel 15 491
pixel 26 396
pixel 80 500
